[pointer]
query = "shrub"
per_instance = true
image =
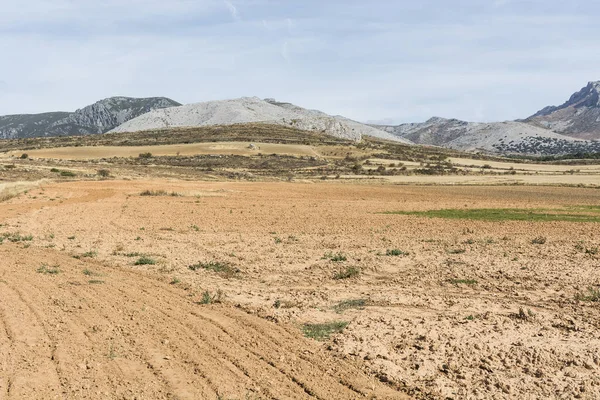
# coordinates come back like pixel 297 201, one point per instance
pixel 104 173
pixel 339 257
pixel 24 156
pixel 395 253
pixel 145 155
pixel 348 273
pixel 144 260
pixel 67 173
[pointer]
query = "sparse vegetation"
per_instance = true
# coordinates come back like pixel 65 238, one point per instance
pixel 209 298
pixel 224 268
pixel 335 257
pixel 591 295
pixel 323 331
pixel 395 253
pixel 539 240
pixel 47 270
pixel 348 273
pixel 507 214
pixel 159 193
pixel 144 260
pixel 350 304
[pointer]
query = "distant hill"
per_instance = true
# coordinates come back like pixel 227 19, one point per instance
pixel 579 117
pixel 509 137
pixel 571 128
pixel 99 117
pixel 250 110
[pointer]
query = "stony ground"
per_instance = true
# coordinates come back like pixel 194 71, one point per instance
pixel 435 308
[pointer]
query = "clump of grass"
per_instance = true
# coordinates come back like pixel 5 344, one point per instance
pixel 456 251
pixel 592 251
pixel 159 193
pixel 90 254
pixel 335 257
pixel 17 237
pixel 349 304
pixel 463 281
pixel 539 240
pixel 592 295
pixel 524 315
pixel 89 272
pixel 175 281
pixel 324 331
pixel 145 155
pixel 133 254
pixel 47 270
pixel 68 173
pixel 395 253
pixel 348 273
pixel 215 266
pixel 144 260
pixel 209 298
pixel 95 282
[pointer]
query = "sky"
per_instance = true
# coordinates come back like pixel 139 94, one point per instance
pixel 386 61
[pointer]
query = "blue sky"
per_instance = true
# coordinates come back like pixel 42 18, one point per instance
pixel 377 60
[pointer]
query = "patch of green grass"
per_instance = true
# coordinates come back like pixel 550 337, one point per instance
pixel 335 257
pixel 349 304
pixel 572 214
pixel 144 260
pixel 68 173
pixel 47 270
pixel 592 295
pixel 463 281
pixel 324 331
pixel 95 282
pixel 90 254
pixel 348 273
pixel 88 272
pixel 175 281
pixel 395 253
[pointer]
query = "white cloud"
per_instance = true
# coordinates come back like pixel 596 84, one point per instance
pixel 232 9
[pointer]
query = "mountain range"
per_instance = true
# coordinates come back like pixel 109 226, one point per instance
pixel 573 127
pixel 99 117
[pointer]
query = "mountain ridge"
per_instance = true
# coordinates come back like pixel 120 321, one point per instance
pixel 96 118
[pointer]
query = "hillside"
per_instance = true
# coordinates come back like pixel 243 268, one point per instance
pixel 578 117
pixel 509 137
pixel 252 110
pixel 99 117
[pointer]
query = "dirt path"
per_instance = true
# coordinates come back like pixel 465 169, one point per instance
pixel 111 333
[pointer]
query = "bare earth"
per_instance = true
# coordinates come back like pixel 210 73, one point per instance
pixel 515 330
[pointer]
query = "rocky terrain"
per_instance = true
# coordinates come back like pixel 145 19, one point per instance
pixel 99 117
pixel 509 137
pixel 579 117
pixel 568 129
pixel 253 109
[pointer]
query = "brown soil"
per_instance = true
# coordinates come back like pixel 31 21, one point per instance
pixel 515 330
